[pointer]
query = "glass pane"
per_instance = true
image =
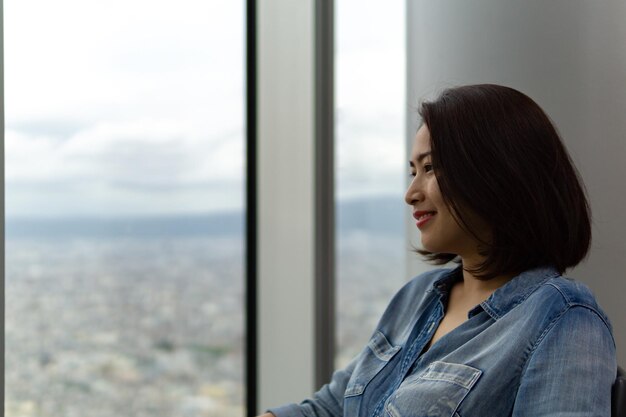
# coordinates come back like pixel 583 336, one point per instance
pixel 124 208
pixel 371 165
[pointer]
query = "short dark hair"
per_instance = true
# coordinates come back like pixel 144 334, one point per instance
pixel 496 153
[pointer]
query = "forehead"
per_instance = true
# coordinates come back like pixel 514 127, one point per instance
pixel 421 142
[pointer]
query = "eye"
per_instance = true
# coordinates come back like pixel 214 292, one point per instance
pixel 412 174
pixel 428 167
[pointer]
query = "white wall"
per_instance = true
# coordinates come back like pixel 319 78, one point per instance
pixel 568 55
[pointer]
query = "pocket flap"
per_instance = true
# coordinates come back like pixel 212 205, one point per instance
pixel 455 373
pixel 381 347
pixel 374 358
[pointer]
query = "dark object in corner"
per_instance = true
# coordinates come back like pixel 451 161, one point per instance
pixel 618 400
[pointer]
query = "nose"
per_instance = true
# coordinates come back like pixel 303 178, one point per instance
pixel 413 193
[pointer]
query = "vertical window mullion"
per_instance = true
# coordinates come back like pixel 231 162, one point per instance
pixel 251 364
pixel 324 192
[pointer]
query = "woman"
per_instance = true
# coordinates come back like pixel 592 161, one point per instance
pixel 502 334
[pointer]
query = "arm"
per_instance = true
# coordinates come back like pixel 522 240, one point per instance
pixel 327 402
pixel 571 369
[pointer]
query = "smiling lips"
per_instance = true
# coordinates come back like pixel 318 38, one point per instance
pixel 423 216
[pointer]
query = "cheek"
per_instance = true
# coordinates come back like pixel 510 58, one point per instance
pixel 435 194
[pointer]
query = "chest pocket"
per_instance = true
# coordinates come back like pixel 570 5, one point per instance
pixel 373 359
pixel 437 392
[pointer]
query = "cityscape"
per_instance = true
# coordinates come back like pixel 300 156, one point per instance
pixel 133 327
pixel 153 325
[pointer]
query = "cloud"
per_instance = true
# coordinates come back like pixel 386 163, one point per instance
pixel 370 158
pixel 130 106
pixel 144 151
pixel 154 159
pixel 125 106
pixel 370 95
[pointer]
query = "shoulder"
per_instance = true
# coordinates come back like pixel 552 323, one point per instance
pixel 564 294
pixel 571 355
pixel 536 301
pixel 563 315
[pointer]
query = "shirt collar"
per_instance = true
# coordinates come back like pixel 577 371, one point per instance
pixel 504 298
pixel 516 290
pixel 443 285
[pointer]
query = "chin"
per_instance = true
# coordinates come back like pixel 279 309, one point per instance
pixel 430 247
pixel 436 247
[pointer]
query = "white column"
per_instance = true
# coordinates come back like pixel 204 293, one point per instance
pixel 285 184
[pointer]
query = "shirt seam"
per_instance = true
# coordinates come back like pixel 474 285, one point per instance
pixel 550 326
pixel 571 303
pixel 540 339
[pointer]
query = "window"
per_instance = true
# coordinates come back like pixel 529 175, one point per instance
pixel 124 149
pixel 370 168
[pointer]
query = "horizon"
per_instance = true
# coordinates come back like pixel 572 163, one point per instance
pixel 354 214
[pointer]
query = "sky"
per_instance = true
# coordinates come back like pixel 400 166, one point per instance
pixel 134 107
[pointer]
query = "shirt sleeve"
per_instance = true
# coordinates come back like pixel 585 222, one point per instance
pixel 571 370
pixel 327 402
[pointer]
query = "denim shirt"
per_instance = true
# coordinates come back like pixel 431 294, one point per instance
pixel 538 346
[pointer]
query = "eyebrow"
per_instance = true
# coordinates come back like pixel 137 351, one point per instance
pixel 419 158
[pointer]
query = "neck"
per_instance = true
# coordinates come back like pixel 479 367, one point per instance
pixel 478 288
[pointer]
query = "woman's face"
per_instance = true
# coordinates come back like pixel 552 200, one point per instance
pixel 440 231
